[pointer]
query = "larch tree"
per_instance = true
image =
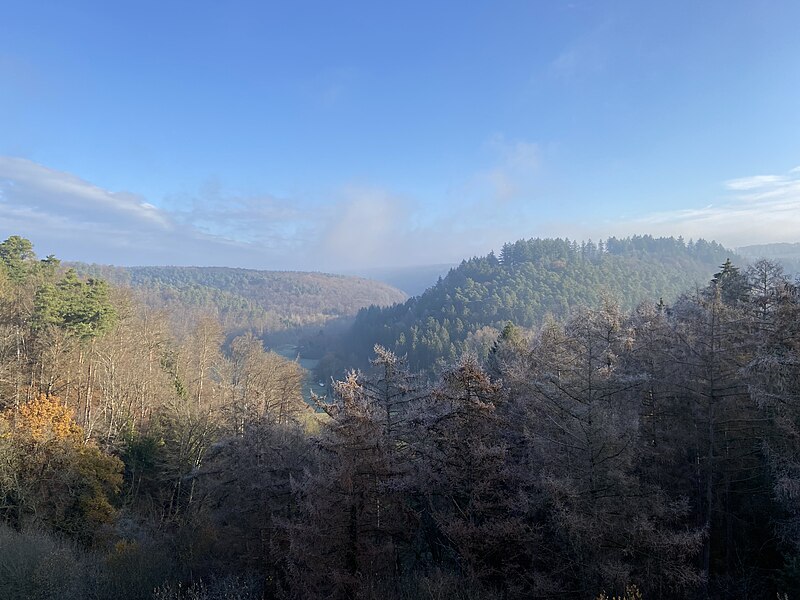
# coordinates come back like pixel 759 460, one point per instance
pixel 473 519
pixel 354 523
pixel 729 492
pixel 606 526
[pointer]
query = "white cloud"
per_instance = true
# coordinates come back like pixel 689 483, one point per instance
pixel 356 227
pixel 364 225
pixel 353 227
pixel 755 182
pixel 368 226
pixel 263 219
pixel 516 154
pixel 76 220
pixel 371 227
pixel 54 192
pixel 759 209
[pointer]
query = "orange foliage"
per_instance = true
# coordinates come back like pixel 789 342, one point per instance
pixel 45 418
pixel 59 478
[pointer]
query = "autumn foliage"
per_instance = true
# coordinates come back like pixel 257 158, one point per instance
pixel 53 476
pixel 47 419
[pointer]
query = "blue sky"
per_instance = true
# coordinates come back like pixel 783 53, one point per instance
pixel 333 136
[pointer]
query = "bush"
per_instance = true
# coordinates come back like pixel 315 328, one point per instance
pixel 37 565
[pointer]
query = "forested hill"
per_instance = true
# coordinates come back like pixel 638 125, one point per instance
pixel 251 299
pixel 786 254
pixel 468 308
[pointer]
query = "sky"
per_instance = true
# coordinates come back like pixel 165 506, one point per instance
pixel 336 136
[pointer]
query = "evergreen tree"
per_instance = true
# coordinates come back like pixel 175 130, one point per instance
pixel 730 284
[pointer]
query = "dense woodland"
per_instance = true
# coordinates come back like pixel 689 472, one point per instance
pixel 788 255
pixel 266 303
pixel 530 279
pixel 608 450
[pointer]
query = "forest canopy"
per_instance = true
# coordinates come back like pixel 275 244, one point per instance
pixel 247 299
pixel 616 450
pixel 527 281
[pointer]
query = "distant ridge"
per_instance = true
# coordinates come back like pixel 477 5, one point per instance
pixel 248 298
pixel 785 253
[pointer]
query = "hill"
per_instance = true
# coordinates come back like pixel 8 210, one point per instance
pixel 467 309
pixel 248 299
pixel 788 255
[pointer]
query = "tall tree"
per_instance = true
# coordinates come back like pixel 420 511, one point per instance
pixel 354 522
pixel 731 498
pixel 474 516
pixel 580 403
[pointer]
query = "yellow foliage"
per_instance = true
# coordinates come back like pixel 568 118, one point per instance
pixel 45 418
pixel 56 476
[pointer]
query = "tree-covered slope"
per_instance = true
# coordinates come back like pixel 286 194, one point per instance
pixel 252 299
pixel 788 255
pixel 530 279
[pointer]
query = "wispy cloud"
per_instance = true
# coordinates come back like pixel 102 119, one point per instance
pixel 357 226
pixel 513 168
pixel 371 227
pixel 756 209
pixel 262 219
pixel 78 220
pixel 517 164
pixel 353 227
pixel 362 226
pixel 51 192
pixel 755 182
